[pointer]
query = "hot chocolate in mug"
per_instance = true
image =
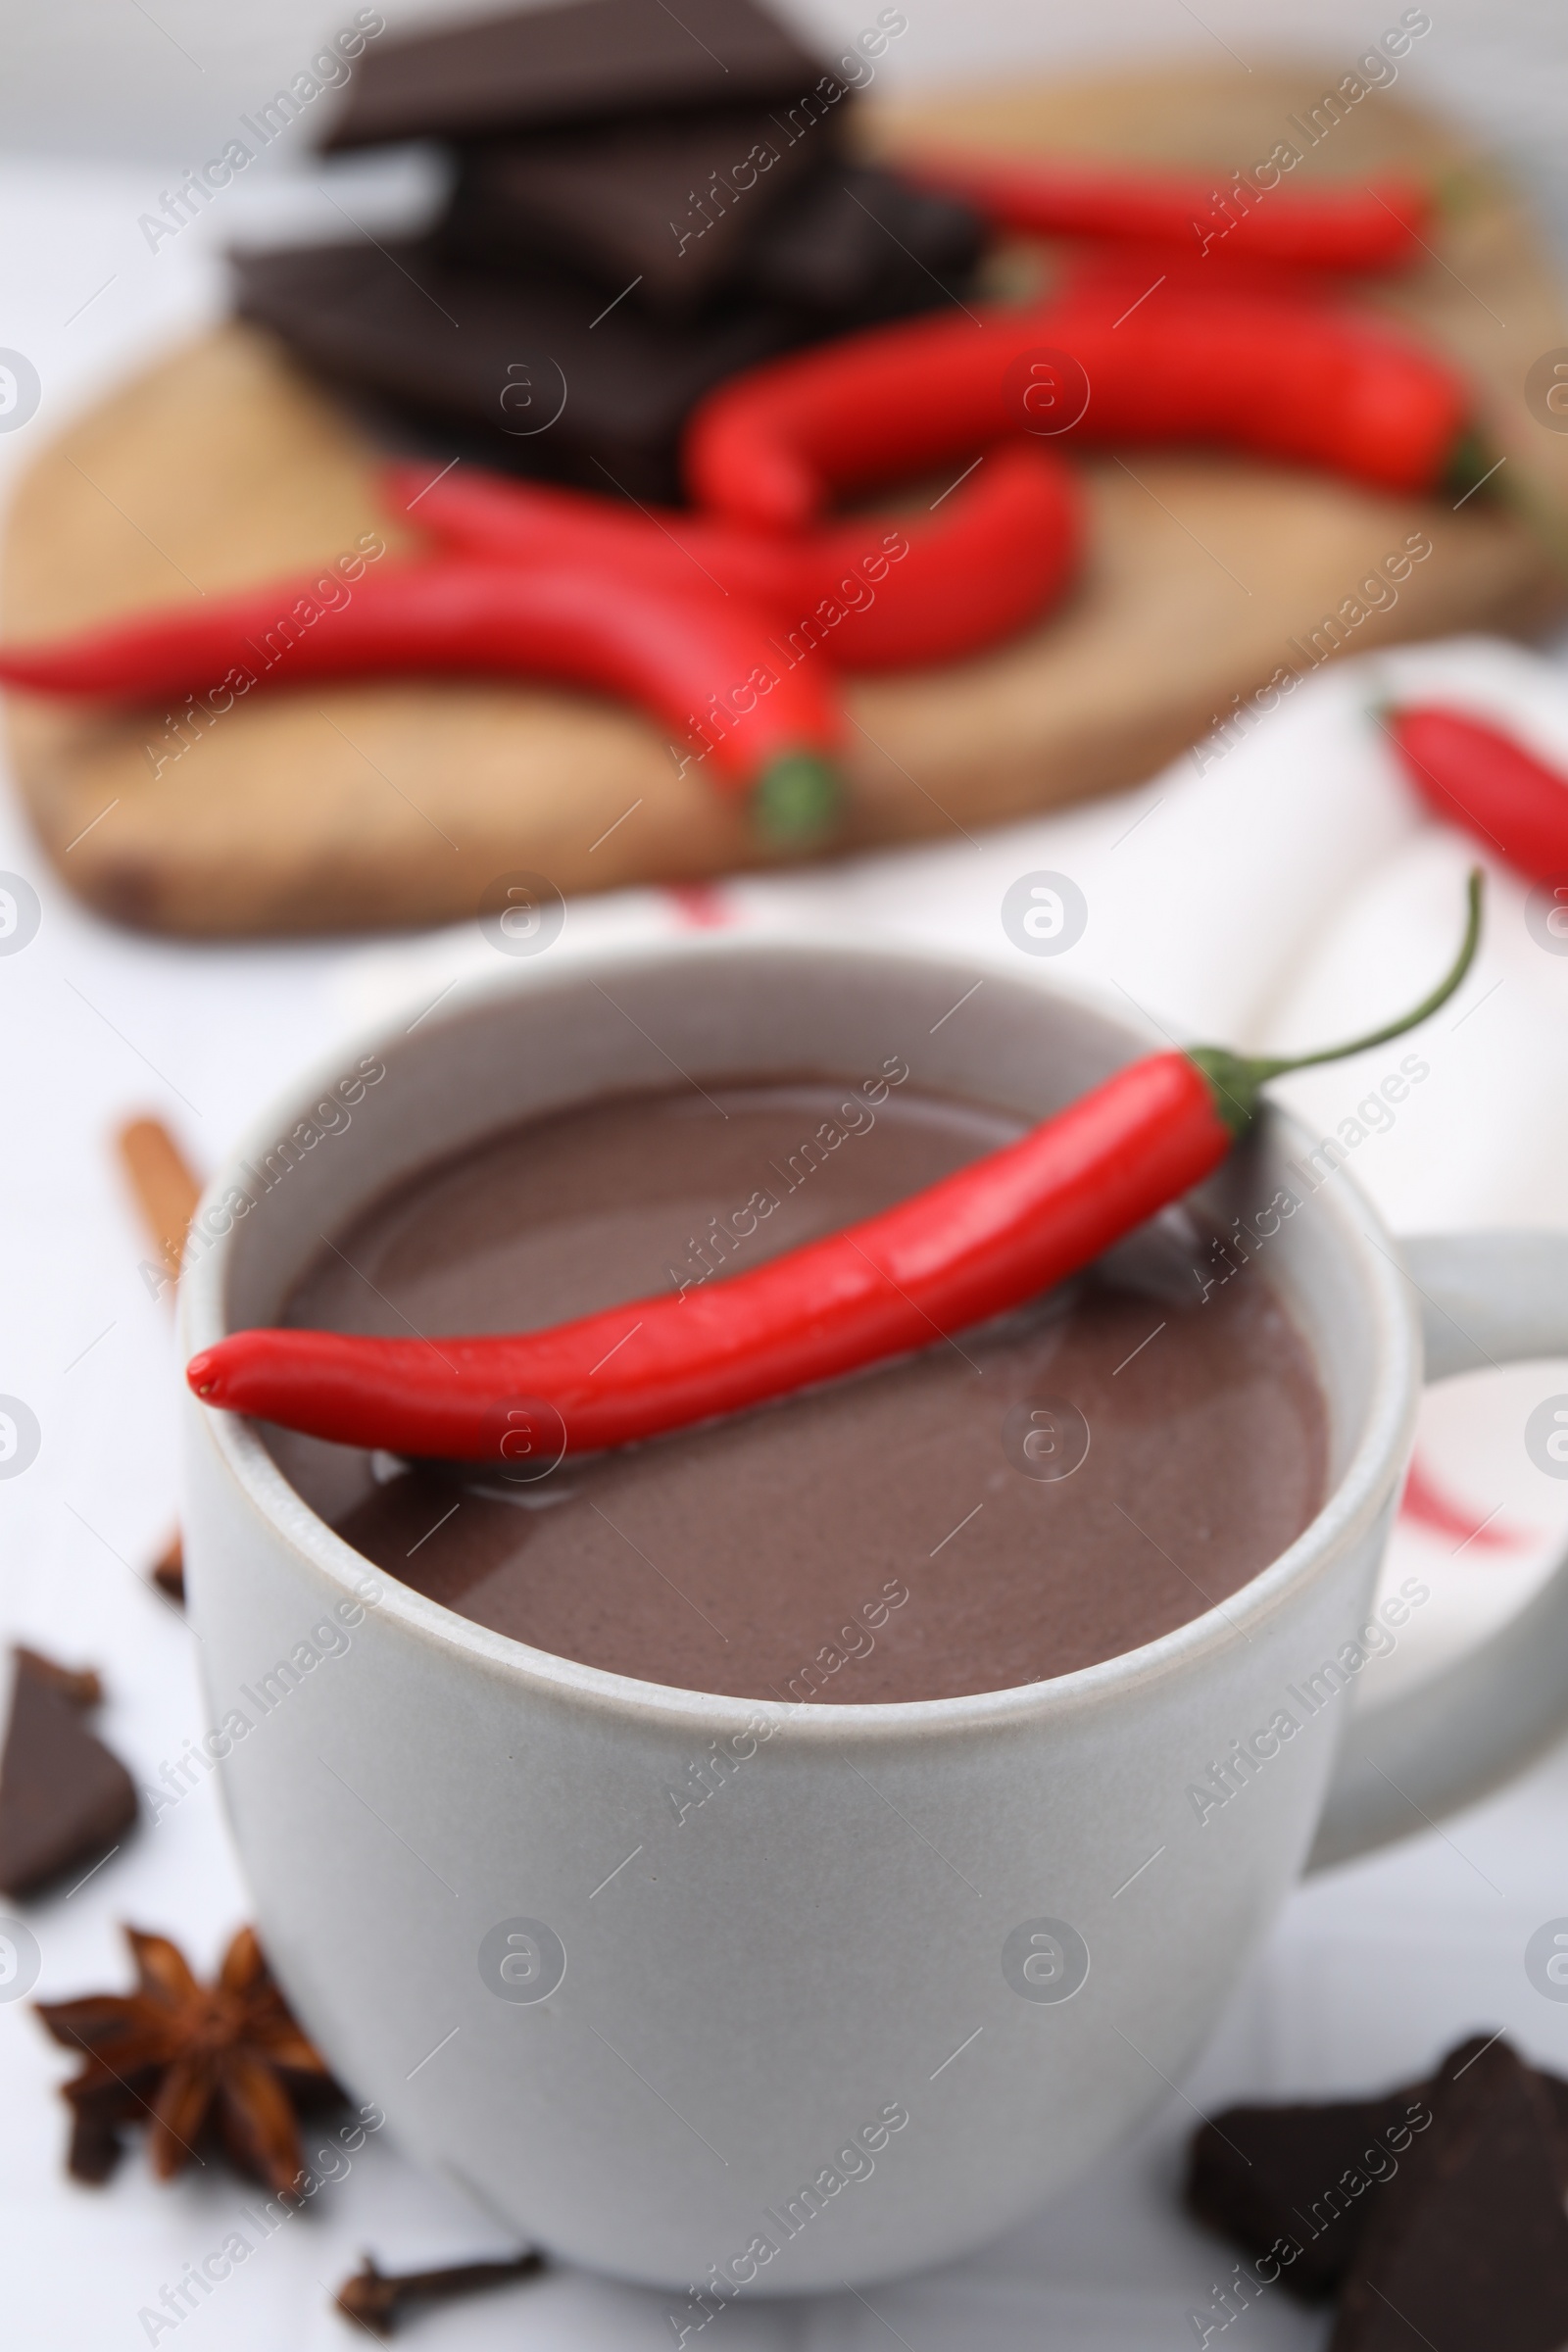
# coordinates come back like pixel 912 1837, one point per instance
pixel 917 1965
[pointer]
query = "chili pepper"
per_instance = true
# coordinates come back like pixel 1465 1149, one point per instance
pixel 996 554
pixel 1376 226
pixel 1474 775
pixel 1132 273
pixel 1278 378
pixel 982 1241
pixel 698 661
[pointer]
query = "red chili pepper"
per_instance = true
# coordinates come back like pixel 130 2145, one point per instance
pixel 995 555
pixel 1278 378
pixel 1129 273
pixel 698 661
pixel 1474 775
pixel 1376 226
pixel 979 1243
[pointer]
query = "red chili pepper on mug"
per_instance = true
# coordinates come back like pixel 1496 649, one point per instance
pixel 1474 775
pixel 995 555
pixel 1290 381
pixel 982 1241
pixel 1375 227
pixel 697 659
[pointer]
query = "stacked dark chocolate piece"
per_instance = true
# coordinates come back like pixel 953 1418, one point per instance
pixel 646 201
pixel 1434 2214
pixel 66 1802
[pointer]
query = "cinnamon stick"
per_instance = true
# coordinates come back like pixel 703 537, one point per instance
pixel 167 1189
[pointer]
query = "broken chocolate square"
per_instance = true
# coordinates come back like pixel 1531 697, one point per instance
pixel 666 210
pixel 520 364
pixel 592 61
pixel 842 245
pixel 859 244
pixel 64 1801
pixel 1296 2182
pixel 1266 2174
pixel 1468 2246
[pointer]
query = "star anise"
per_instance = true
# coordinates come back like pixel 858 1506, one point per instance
pixel 184 2057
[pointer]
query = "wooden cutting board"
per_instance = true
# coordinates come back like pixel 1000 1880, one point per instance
pixel 355 807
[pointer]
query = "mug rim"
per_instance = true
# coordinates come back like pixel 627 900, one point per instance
pixel 1347 1512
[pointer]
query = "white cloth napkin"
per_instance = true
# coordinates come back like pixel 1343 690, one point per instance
pixel 1283 891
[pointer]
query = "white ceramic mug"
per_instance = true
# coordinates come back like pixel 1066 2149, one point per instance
pixel 911 1968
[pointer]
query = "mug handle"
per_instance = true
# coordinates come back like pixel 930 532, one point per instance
pixel 1486 1298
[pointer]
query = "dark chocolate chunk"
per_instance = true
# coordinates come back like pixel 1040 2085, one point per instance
pixel 669 207
pixel 593 61
pixel 1263 2175
pixel 524 366
pixel 1468 2246
pixel 1556 2091
pixel 81 1685
pixel 859 244
pixel 1311 2177
pixel 64 1801
pixel 839 244
pixel 1458 2062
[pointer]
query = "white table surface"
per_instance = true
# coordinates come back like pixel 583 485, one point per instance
pixel 1293 887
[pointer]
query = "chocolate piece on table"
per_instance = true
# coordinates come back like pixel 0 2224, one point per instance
pixel 862 244
pixel 1557 2089
pixel 1458 2061
pixel 674 204
pixel 516 363
pixel 82 1686
pixel 1308 2173
pixel 64 1801
pixel 593 61
pixel 1258 2174
pixel 1468 2244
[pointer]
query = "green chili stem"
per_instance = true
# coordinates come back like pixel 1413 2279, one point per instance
pixel 798 799
pixel 1237 1078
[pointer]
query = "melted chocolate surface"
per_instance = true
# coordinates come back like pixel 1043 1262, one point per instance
pixel 1016 1501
